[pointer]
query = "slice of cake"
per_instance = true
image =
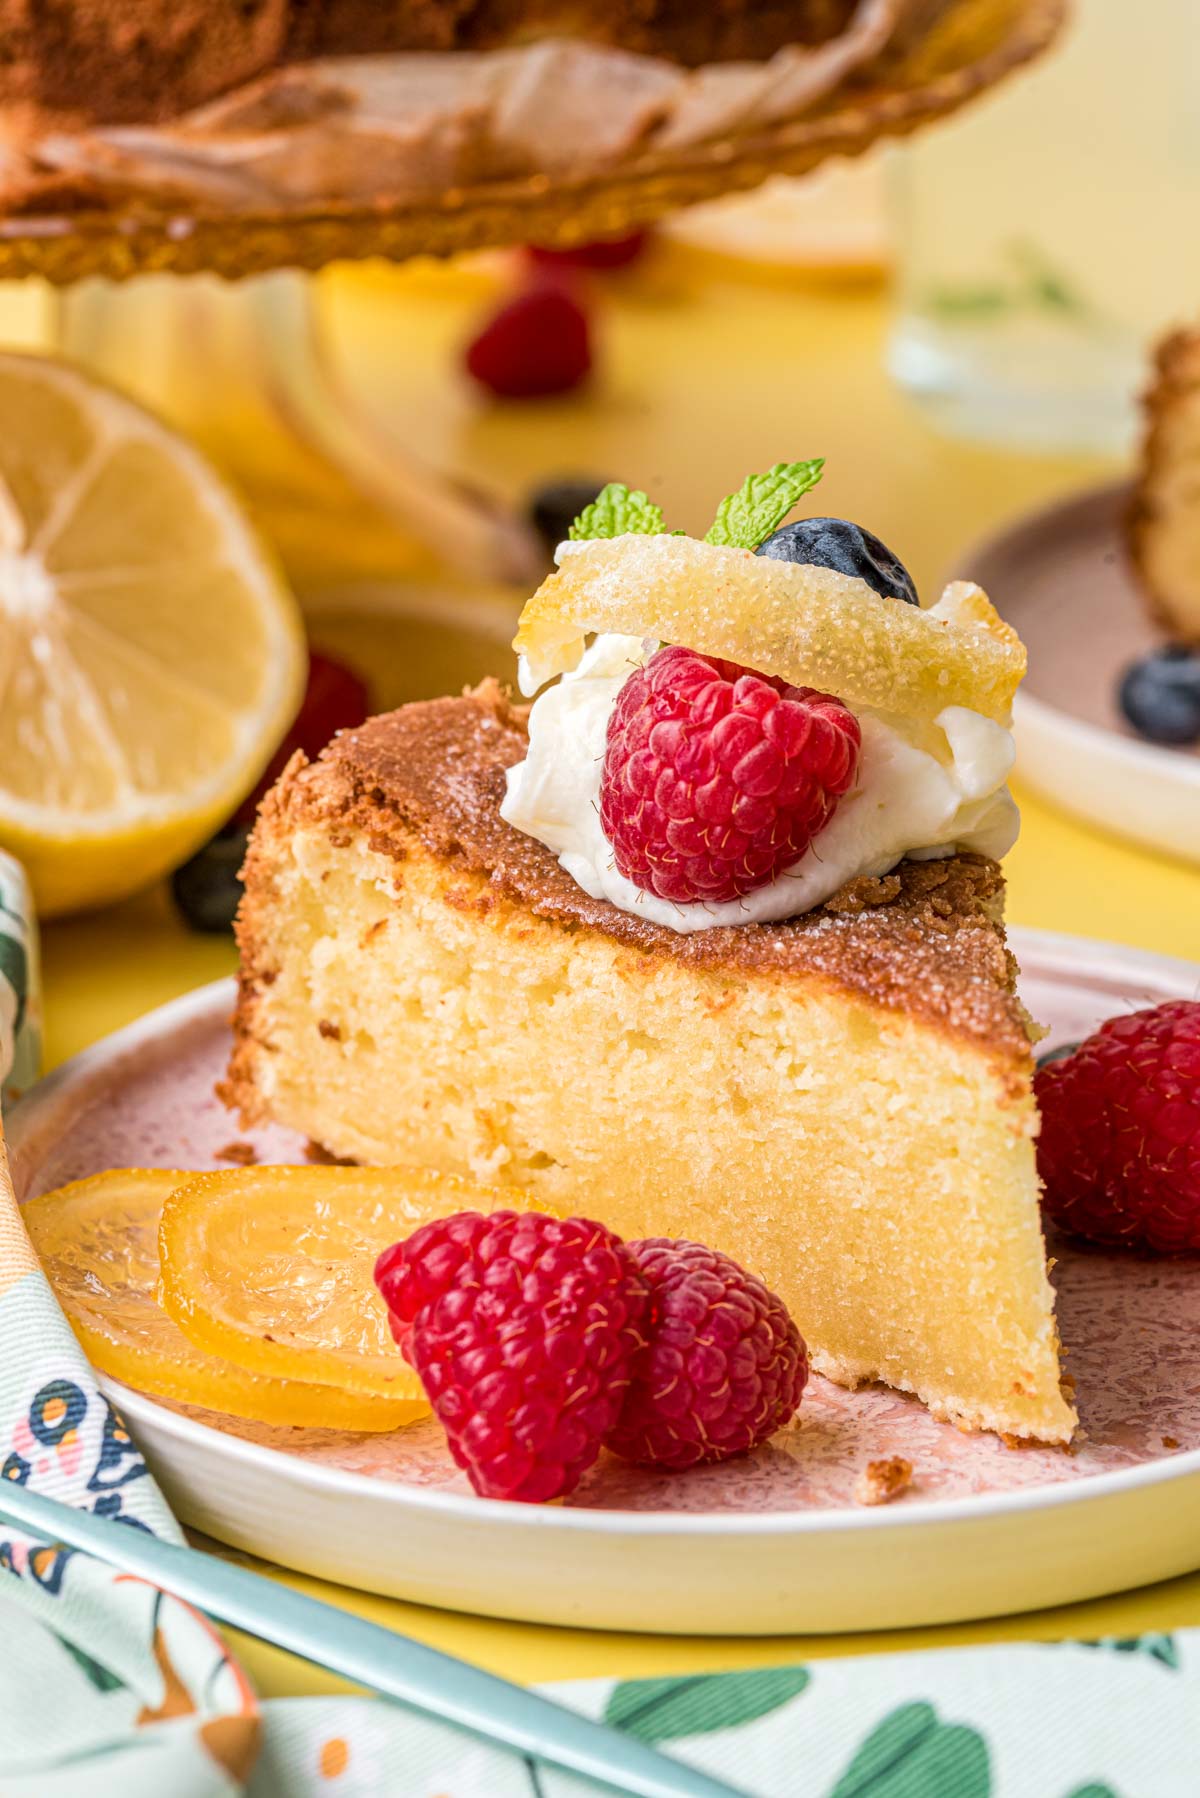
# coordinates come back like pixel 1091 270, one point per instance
pixel 1164 517
pixel 706 943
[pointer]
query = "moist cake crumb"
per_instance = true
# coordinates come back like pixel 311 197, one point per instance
pixel 319 1156
pixel 242 1154
pixel 882 1481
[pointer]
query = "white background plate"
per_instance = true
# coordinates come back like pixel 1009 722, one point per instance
pixel 770 1544
pixel 1062 579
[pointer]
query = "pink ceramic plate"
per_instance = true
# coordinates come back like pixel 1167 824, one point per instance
pixel 771 1543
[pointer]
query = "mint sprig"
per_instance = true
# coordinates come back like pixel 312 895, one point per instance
pixel 744 519
pixel 762 502
pixel 616 512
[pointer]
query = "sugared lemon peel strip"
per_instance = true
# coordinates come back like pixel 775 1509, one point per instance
pixel 809 625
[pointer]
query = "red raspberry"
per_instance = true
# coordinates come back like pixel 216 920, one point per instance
pixel 715 779
pixel 523 1329
pixel 537 344
pixel 600 257
pixel 724 1365
pixel 1119 1149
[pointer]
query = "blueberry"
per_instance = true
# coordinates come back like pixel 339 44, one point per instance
pixel 1160 695
pixel 554 507
pixel 836 543
pixel 207 888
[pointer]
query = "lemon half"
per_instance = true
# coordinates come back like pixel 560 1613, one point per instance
pixel 151 656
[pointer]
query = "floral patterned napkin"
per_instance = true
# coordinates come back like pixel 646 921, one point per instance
pixel 107 1685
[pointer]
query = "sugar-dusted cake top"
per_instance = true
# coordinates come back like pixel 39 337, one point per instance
pixel 922 939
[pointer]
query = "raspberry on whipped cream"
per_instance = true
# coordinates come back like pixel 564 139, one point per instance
pixel 716 778
pixel 920 791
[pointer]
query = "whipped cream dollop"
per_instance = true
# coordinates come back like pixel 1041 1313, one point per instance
pixel 918 793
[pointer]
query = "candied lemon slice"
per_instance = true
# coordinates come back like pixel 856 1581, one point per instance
pixel 812 626
pixel 273 1266
pixel 98 1244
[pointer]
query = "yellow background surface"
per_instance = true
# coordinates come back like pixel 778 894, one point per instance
pixel 704 375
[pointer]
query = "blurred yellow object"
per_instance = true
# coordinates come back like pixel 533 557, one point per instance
pixel 98 1244
pixel 274 1267
pixel 830 225
pixel 151 657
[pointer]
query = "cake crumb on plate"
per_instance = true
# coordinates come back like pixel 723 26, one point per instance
pixel 242 1154
pixel 882 1481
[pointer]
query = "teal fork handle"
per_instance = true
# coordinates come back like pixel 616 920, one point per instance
pixel 437 1685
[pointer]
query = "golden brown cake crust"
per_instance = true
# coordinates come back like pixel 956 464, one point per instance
pixel 922 939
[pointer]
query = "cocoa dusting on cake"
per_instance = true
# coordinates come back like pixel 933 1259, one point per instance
pixel 882 1481
pixel 142 60
pixel 922 940
pixel 675 28
pixel 131 59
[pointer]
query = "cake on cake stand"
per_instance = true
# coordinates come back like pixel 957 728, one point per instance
pixel 133 296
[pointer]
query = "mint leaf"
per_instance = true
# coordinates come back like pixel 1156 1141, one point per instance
pixel 762 502
pixel 616 512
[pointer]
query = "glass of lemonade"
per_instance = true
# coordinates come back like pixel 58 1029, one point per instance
pixel 1045 239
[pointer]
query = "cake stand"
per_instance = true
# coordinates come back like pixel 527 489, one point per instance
pixel 259 346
